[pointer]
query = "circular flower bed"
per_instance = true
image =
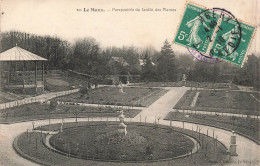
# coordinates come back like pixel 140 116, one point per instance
pixel 101 142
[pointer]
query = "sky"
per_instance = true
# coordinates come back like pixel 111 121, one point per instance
pixel 62 18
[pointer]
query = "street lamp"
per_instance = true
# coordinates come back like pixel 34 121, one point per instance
pixel 199 131
pixel 77 149
pixel 216 140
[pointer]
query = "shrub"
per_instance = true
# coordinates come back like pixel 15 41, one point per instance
pixel 84 90
pixel 148 150
pixel 67 110
pixel 53 105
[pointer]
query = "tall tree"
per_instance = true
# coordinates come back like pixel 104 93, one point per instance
pixel 166 69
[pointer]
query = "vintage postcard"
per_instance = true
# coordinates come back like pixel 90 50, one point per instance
pixel 118 82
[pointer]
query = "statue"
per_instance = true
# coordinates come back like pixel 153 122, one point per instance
pixel 227 96
pixel 120 87
pixel 184 79
pixel 122 127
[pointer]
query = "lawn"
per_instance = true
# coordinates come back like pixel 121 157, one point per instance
pixel 132 96
pixel 186 99
pixel 236 100
pixel 214 100
pixel 42 111
pixel 206 85
pixel 4 100
pixel 246 126
pixel 60 81
pixel 6 96
pixel 211 152
pixel 256 95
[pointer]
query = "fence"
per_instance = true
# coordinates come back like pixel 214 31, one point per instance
pixel 217 113
pixel 40 98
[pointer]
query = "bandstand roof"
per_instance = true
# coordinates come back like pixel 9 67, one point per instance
pixel 18 54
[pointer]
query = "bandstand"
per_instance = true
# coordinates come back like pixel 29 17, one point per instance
pixel 21 70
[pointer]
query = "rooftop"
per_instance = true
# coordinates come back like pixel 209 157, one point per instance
pixel 18 54
pixel 120 60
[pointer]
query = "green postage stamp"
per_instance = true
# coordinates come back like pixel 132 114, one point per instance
pixel 214 33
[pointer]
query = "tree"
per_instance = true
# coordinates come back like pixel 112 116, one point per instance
pixel 54 49
pixel 249 74
pixel 205 72
pixel 166 69
pixel 129 55
pixel 84 57
pixel 148 69
pixel 185 61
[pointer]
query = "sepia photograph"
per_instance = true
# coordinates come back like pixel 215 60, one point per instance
pixel 129 83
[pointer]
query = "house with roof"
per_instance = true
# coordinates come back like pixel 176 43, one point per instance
pixel 118 66
pixel 119 61
pixel 119 69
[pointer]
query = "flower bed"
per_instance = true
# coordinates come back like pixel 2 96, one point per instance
pixel 35 111
pixel 111 96
pixel 216 101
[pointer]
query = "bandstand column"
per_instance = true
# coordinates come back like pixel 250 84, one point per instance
pixel 36 76
pixel 43 76
pixel 8 76
pixel 1 72
pixel 23 75
pixel 15 70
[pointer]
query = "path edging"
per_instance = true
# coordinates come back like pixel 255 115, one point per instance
pixel 30 158
pixel 223 128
